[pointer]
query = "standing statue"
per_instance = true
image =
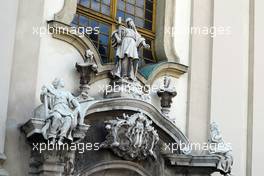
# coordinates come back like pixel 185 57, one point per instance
pixel 127 41
pixel 61 111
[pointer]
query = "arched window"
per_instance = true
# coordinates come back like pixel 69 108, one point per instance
pixel 104 14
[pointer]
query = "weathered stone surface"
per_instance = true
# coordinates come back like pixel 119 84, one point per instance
pixel 131 137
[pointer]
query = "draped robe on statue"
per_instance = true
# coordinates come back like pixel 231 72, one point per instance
pixel 126 51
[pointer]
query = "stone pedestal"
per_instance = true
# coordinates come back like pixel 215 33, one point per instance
pixel 85 70
pixel 166 93
pixel 50 159
pixel 123 88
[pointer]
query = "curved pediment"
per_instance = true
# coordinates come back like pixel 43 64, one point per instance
pixel 138 106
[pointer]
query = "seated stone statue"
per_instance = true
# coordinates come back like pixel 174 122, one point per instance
pixel 62 110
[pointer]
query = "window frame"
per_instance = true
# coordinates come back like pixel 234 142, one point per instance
pixel 113 22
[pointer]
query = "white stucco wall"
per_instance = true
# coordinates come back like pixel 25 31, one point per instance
pixel 230 77
pixel 56 58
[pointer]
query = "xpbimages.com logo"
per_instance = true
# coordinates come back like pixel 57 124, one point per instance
pixel 79 147
pixel 80 31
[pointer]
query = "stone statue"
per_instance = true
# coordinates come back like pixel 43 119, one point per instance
pixel 220 148
pixel 127 40
pixel 132 137
pixel 61 111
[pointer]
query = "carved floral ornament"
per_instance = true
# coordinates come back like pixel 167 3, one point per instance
pixel 131 137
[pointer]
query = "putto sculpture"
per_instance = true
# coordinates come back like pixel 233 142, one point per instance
pixel 62 112
pixel 222 149
pixel 132 137
pixel 126 40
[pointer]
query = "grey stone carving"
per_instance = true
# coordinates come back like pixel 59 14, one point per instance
pixel 131 137
pixel 128 89
pixel 85 69
pixel 62 112
pixel 166 93
pixel 126 40
pixel 222 149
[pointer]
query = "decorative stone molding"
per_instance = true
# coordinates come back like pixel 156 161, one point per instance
pixel 204 165
pixel 138 106
pixel 150 73
pixel 131 137
pixel 117 164
pixel 126 89
pixel 164 43
pixel 146 75
pixel 166 93
pixel 67 13
pixel 221 149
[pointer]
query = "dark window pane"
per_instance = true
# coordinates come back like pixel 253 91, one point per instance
pixel 148 25
pixel 94 24
pixel 105 9
pixel 147 54
pixel 121 14
pixel 104 59
pixel 121 5
pixel 130 16
pixel 95 5
pixel 139 12
pixel 148 15
pixel 103 50
pixel 139 22
pixel 149 5
pixel 75 19
pixel 130 8
pixel 83 21
pixel 103 39
pixel 85 2
pixel 94 37
pixel 104 28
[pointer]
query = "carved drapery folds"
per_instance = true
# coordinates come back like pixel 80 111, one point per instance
pixel 131 137
pixel 56 127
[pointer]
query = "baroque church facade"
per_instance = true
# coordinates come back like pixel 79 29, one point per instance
pixel 118 87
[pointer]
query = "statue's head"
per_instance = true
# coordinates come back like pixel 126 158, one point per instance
pixel 58 83
pixel 130 23
pixel 214 126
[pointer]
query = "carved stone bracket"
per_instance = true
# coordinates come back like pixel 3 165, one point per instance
pixel 57 126
pixel 131 137
pixel 126 89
